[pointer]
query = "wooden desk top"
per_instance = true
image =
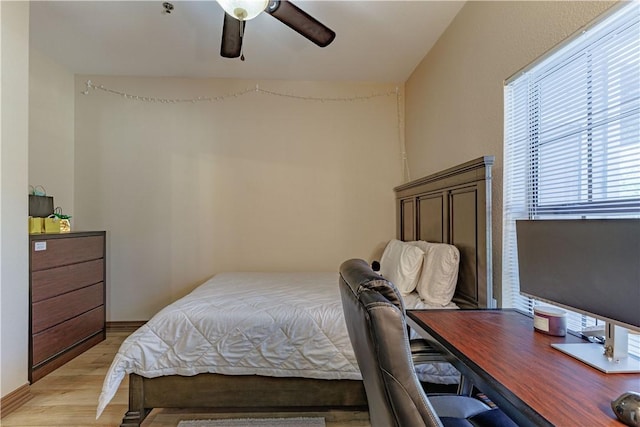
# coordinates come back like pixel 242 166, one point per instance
pixel 506 354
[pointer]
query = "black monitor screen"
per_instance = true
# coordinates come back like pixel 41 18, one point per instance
pixel 589 265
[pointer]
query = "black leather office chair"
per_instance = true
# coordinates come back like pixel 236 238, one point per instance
pixel 376 323
pixel 421 350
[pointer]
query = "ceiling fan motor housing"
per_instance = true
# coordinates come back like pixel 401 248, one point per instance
pixel 243 10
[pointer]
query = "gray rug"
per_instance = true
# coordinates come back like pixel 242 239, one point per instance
pixel 256 422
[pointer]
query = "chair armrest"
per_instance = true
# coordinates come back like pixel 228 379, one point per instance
pixel 423 352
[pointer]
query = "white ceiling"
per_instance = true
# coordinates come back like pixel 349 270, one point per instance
pixel 376 41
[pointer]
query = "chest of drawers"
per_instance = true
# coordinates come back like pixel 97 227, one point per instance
pixel 67 298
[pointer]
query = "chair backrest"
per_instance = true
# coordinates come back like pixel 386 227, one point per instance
pixel 374 314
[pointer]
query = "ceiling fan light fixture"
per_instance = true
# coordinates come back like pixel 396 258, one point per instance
pixel 243 10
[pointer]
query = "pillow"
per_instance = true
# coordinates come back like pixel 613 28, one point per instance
pixel 437 282
pixel 401 264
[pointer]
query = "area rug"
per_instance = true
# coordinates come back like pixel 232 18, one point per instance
pixel 256 422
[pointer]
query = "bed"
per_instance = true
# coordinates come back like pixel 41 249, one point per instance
pixel 452 206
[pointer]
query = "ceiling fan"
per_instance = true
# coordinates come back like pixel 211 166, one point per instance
pixel 237 12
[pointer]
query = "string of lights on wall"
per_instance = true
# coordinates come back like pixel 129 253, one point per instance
pixel 90 86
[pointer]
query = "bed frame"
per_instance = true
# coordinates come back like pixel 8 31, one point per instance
pixel 452 206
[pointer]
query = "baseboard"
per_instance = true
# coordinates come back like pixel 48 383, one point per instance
pixel 127 326
pixel 15 399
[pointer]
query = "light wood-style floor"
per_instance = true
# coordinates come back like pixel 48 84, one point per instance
pixel 68 398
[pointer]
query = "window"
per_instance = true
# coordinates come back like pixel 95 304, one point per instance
pixel 572 138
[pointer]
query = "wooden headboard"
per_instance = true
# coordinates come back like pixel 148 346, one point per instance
pixel 454 206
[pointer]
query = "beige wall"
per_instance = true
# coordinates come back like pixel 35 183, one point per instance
pixel 253 183
pixel 51 131
pixel 454 97
pixel 14 247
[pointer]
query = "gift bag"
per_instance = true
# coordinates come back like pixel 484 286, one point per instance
pixel 51 224
pixel 65 220
pixel 65 226
pixel 40 205
pixel 36 225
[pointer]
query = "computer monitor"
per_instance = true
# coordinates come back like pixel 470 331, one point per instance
pixel 591 266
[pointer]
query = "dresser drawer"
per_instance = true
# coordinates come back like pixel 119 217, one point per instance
pixel 49 283
pixel 65 251
pixel 54 340
pixel 50 312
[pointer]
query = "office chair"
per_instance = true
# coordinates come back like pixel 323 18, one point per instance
pixel 421 350
pixel 375 319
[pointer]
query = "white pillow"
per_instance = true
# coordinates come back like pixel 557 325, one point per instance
pixel 437 282
pixel 401 264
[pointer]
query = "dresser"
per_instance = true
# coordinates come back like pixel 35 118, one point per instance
pixel 66 298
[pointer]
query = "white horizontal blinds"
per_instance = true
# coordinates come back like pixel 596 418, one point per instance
pixel 572 138
pixel 587 144
pixel 516 180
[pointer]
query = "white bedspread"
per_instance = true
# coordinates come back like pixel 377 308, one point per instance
pixel 271 324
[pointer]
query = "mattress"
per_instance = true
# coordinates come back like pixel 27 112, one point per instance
pixel 270 324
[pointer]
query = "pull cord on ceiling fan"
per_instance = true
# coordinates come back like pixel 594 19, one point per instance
pixel 237 12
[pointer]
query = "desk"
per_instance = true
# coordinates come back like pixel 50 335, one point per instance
pixel 535 384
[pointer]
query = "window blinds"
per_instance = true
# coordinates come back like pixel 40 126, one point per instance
pixel 572 138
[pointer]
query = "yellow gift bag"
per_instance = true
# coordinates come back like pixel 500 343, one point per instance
pixel 36 225
pixel 52 224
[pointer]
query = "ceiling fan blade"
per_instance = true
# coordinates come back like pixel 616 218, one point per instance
pixel 300 21
pixel 232 31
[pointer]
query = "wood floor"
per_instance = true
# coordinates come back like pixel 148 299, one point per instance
pixel 68 398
